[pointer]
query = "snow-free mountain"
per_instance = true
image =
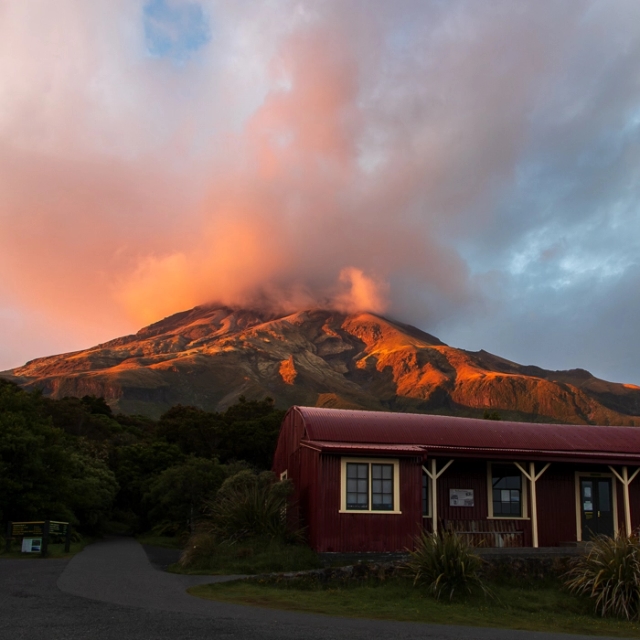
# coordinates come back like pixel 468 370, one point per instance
pixel 210 356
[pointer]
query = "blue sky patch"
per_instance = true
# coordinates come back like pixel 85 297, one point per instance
pixel 175 30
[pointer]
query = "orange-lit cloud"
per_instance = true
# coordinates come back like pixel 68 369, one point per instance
pixel 424 160
pixel 363 293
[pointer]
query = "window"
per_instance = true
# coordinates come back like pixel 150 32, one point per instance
pixel 426 495
pixel 284 475
pixel 507 494
pixel 370 485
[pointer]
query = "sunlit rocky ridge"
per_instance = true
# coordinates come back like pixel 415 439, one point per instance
pixel 210 356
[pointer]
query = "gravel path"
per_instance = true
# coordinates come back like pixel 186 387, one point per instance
pixel 110 591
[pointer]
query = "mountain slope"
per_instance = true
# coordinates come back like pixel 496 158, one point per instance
pixel 208 357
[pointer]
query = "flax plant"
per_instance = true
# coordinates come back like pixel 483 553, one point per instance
pixel 609 573
pixel 252 505
pixel 446 565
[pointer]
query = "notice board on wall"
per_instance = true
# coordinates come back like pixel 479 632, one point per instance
pixel 461 498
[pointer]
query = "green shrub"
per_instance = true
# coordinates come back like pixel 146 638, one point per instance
pixel 248 527
pixel 249 505
pixel 175 497
pixel 445 564
pixel 609 573
pixel 203 554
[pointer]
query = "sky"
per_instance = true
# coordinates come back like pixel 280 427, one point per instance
pixel 471 167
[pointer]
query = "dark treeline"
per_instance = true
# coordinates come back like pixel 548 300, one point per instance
pixel 74 460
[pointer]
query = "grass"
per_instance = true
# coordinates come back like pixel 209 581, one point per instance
pixel 248 557
pixel 168 542
pixel 544 608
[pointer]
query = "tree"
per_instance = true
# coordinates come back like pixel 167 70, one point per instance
pixel 251 430
pixel 135 466
pixel 176 496
pixel 195 431
pixel 44 474
pixel 92 488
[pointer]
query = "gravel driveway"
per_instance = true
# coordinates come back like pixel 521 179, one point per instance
pixel 111 591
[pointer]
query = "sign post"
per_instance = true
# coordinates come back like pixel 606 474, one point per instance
pixel 45 539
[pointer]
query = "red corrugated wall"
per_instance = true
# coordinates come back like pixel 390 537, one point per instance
pixel 556 491
pixel 293 459
pixel 311 509
pixel 364 532
pixel 288 441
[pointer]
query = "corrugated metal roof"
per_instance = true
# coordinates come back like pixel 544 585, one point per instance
pixel 465 434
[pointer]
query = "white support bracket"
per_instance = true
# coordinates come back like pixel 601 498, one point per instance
pixel 433 475
pixel 626 481
pixel 533 477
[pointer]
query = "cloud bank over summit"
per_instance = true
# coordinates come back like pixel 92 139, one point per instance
pixel 468 167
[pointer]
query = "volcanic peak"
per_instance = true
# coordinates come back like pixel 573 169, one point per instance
pixel 209 356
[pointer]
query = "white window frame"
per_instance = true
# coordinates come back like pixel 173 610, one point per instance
pixel 524 493
pixel 396 486
pixel 283 475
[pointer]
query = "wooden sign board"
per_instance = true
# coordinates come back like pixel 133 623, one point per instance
pixel 27 529
pixel 40 532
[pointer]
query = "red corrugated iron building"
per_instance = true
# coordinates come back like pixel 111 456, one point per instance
pixel 369 481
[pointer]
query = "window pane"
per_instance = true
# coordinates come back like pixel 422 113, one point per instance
pixel 507 490
pixel 382 490
pixel 603 496
pixel 357 486
pixel 425 495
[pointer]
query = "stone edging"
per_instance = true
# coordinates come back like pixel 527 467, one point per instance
pixel 496 567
